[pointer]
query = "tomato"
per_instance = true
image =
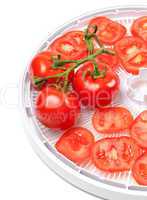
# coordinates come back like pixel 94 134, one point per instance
pixel 139 170
pixel 95 91
pixel 138 61
pixel 112 120
pixel 139 129
pixel 109 32
pixel 128 47
pixel 41 67
pixel 111 60
pixel 139 28
pixel 76 144
pixel 115 154
pixel 71 45
pixel 56 109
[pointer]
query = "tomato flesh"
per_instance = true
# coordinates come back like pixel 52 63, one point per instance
pixel 139 129
pixel 95 92
pixel 109 32
pixel 71 45
pixel 115 154
pixel 55 109
pixel 139 170
pixel 112 120
pixel 139 28
pixel 76 144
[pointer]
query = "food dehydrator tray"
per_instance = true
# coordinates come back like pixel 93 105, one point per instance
pixel 111 186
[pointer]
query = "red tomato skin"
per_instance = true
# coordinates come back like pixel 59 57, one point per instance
pixel 41 67
pixel 74 40
pixel 95 93
pixel 139 170
pixel 120 162
pixel 110 112
pixel 109 32
pixel 78 141
pixel 139 129
pixel 56 109
pixel 137 28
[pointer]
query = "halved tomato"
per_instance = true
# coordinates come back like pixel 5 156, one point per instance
pixel 76 144
pixel 139 129
pixel 134 65
pixel 139 170
pixel 109 32
pixel 115 154
pixel 128 47
pixel 112 120
pixel 139 28
pixel 71 45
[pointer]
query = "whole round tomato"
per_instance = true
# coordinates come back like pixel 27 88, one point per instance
pixel 109 32
pixel 139 170
pixel 139 28
pixel 57 109
pixel 41 67
pixel 76 144
pixel 95 91
pixel 115 154
pixel 70 45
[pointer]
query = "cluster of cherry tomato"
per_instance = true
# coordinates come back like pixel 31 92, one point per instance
pixel 79 60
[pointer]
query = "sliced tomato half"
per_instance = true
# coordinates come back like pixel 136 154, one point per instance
pixel 112 120
pixel 109 32
pixel 139 129
pixel 76 144
pixel 115 154
pixel 139 170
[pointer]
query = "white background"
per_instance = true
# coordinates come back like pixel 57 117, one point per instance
pixel 23 26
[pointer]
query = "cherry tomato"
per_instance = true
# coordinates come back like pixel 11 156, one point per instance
pixel 95 91
pixel 109 32
pixel 71 45
pixel 115 154
pixel 56 109
pixel 76 144
pixel 111 60
pixel 139 170
pixel 139 129
pixel 112 120
pixel 41 67
pixel 139 28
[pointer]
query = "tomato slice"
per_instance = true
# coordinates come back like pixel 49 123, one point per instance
pixel 115 154
pixel 139 28
pixel 76 144
pixel 109 32
pixel 128 47
pixel 71 45
pixel 111 60
pixel 138 61
pixel 139 129
pixel 139 170
pixel 112 120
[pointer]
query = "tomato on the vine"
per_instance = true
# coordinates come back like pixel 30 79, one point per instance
pixel 96 85
pixel 115 154
pixel 42 67
pixel 109 32
pixel 76 144
pixel 71 45
pixel 57 109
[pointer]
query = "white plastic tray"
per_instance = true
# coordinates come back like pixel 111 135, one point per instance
pixel 86 177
